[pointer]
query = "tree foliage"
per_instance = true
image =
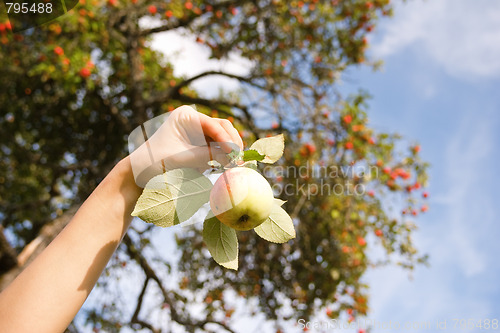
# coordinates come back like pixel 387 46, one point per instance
pixel 73 89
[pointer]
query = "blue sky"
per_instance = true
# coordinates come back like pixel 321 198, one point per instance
pixel 439 86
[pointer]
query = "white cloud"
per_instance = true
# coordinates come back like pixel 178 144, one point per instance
pixel 461 36
pixel 191 58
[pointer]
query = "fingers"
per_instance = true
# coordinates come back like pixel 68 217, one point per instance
pixel 222 131
pixel 233 133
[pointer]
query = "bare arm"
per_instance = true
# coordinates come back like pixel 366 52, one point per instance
pixel 48 293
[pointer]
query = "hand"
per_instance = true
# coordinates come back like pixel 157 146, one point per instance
pixel 185 139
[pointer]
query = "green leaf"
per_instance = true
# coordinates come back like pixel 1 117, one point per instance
pixel 252 155
pixel 173 197
pixel 278 228
pixel 271 147
pixel 222 242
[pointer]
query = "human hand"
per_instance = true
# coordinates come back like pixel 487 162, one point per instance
pixel 183 138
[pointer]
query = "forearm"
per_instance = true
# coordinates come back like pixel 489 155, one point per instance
pixel 48 293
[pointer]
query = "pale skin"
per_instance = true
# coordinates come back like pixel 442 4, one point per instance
pixel 47 295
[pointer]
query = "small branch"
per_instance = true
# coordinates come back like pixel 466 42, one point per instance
pixel 169 26
pixel 135 317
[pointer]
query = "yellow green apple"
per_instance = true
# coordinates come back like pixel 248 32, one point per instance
pixel 241 198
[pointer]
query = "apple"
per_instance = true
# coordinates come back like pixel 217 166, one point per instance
pixel 241 198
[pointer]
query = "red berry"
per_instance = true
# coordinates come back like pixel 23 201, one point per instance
pixel 416 149
pixel 379 233
pixel 330 142
pixel 361 241
pixel 328 312
pixel 424 208
pixel 371 193
pixel 405 175
pixel 348 119
pixel 349 145
pixel 2 27
pixel 414 212
pixel 8 25
pixel 169 13
pixel 274 125
pixel 59 51
pixel 311 148
pixel 425 194
pixel 386 170
pixel 188 5
pixel 152 9
pixel 112 3
pixel 371 141
pixel 85 72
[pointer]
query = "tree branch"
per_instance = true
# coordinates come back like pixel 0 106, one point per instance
pixel 169 26
pixel 135 316
pixel 170 297
pixel 168 94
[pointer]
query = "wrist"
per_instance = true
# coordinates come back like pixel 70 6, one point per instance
pixel 128 187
